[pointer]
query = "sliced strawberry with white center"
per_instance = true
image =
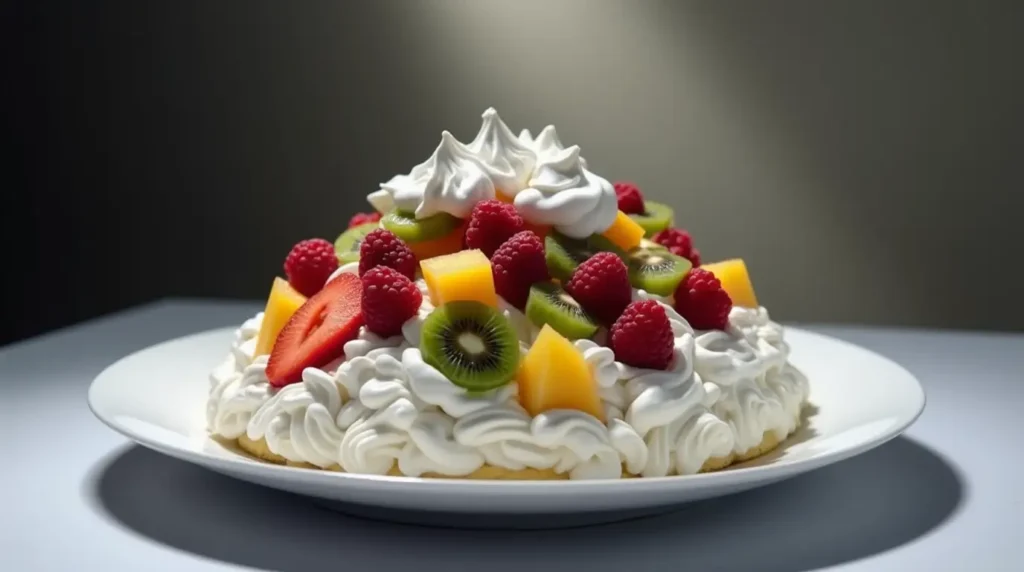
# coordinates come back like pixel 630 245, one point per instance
pixel 316 334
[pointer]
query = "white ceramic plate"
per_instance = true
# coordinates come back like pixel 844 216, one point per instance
pixel 860 400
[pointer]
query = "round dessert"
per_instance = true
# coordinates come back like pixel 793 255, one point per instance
pixel 508 314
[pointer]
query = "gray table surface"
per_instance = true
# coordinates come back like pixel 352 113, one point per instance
pixel 77 496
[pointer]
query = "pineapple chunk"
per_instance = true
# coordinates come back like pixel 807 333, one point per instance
pixel 735 280
pixel 625 232
pixel 554 375
pixel 462 276
pixel 281 304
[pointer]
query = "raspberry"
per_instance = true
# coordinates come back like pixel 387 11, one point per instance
pixel 642 336
pixel 389 299
pixel 363 218
pixel 679 242
pixel 701 299
pixel 491 223
pixel 601 285
pixel 631 200
pixel 309 264
pixel 382 248
pixel 517 265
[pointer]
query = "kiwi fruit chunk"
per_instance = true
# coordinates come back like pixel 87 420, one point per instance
pixel 549 304
pixel 651 245
pixel 657 271
pixel 472 344
pixel 406 226
pixel 564 254
pixel 347 245
pixel 655 218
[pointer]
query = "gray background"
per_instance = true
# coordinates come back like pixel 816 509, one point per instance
pixel 860 155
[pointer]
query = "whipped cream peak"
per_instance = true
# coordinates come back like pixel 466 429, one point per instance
pixel 547 143
pixel 564 194
pixel 507 160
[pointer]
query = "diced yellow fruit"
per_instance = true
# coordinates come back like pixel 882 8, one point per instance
pixel 508 199
pixel 462 276
pixel 735 280
pixel 447 244
pixel 554 375
pixel 624 232
pixel 281 304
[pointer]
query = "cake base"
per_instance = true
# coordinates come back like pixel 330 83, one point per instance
pixel 261 450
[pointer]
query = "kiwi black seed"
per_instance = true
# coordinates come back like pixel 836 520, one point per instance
pixel 550 304
pixel 657 271
pixel 564 254
pixel 406 226
pixel 472 344
pixel 347 245
pixel 655 218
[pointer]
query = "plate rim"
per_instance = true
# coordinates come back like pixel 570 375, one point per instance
pixel 758 473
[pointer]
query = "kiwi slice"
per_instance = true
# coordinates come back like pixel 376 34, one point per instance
pixel 657 271
pixel 655 218
pixel 472 344
pixel 346 246
pixel 564 254
pixel 551 305
pixel 651 245
pixel 406 226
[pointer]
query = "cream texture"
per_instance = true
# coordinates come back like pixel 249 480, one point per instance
pixel 383 406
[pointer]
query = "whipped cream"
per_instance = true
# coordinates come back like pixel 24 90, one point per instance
pixel 548 182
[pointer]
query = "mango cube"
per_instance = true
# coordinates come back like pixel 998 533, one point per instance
pixel 735 280
pixel 281 304
pixel 625 232
pixel 447 244
pixel 462 276
pixel 554 375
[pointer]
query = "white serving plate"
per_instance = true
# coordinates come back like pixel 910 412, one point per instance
pixel 860 400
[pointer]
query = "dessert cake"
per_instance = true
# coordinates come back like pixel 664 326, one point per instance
pixel 506 313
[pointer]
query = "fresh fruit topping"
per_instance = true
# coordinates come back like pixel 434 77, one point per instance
pixel 624 232
pixel 491 223
pixel 642 336
pixel 472 344
pixel 631 200
pixel 389 299
pixel 281 304
pixel 382 248
pixel 411 229
pixel 348 243
pixel 317 332
pixel 735 280
pixel 563 254
pixel 309 264
pixel 657 271
pixel 462 276
pixel 655 218
pixel 518 264
pixel 554 375
pixel 509 199
pixel 363 218
pixel 447 244
pixel 651 245
pixel 680 243
pixel 550 305
pixel 601 285
pixel 701 299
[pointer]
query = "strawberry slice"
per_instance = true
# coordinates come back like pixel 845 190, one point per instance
pixel 317 332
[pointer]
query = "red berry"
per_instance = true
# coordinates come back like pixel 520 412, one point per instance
pixel 701 299
pixel 317 332
pixel 517 265
pixel 601 285
pixel 491 223
pixel 679 242
pixel 389 299
pixel 363 218
pixel 642 336
pixel 631 200
pixel 382 248
pixel 309 264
